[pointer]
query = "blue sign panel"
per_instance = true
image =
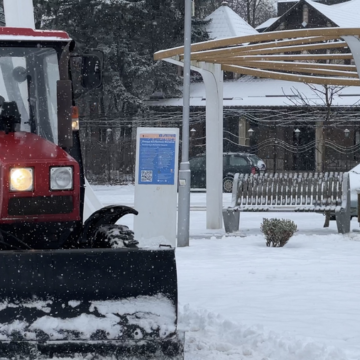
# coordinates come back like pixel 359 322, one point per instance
pixel 157 159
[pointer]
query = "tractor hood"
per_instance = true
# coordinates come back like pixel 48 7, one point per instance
pixel 23 147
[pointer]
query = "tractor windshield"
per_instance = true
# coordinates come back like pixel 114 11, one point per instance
pixel 28 76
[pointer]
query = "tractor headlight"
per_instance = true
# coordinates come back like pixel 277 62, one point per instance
pixel 61 178
pixel 21 179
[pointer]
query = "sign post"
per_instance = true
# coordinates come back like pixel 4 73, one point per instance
pixel 184 173
pixel 156 178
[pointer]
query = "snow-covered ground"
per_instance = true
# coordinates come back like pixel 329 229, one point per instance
pixel 241 300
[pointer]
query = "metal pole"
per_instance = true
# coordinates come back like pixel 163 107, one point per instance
pixel 184 172
pixel 275 150
pixel 297 155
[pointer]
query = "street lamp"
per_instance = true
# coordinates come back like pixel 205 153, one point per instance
pixel 184 169
pixel 108 135
pixel 250 133
pixel 297 135
pixel 192 135
pixel 108 141
pixel 346 133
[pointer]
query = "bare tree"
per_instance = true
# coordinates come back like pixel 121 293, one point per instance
pixel 204 8
pixel 255 12
pixel 322 105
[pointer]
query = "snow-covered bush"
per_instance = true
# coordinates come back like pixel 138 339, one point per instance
pixel 278 231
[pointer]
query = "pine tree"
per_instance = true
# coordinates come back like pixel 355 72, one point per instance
pixel 128 33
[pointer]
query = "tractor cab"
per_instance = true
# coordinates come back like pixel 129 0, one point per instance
pixel 39 79
pixel 28 80
pixel 40 157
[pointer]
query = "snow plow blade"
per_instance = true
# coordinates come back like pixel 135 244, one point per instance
pixel 120 303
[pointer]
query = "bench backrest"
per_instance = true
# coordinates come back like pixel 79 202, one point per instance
pixel 288 189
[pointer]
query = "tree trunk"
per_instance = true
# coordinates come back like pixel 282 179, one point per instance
pixel 319 146
pixel 248 7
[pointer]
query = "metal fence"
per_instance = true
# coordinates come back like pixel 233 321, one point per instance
pixel 109 148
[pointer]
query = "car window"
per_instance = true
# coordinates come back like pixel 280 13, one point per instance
pixel 237 161
pixel 254 158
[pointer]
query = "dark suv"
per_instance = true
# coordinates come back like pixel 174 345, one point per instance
pixel 232 163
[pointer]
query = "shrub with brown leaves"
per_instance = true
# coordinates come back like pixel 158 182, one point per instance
pixel 278 231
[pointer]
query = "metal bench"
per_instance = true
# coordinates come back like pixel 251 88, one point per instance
pixel 326 193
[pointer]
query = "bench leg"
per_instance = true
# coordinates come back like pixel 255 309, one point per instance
pixel 343 221
pixel 343 212
pixel 327 219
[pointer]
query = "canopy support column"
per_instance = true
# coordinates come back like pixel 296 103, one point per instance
pixel 354 45
pixel 213 80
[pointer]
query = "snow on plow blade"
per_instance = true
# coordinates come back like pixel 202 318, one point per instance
pixel 120 303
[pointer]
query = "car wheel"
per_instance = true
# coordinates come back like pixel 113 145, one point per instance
pixel 228 184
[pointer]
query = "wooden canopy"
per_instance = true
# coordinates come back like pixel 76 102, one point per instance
pixel 320 56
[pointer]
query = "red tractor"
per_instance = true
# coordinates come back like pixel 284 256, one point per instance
pixel 68 286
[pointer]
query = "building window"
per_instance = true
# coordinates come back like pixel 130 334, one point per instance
pixel 356 137
pixel 243 132
pixel 356 142
pixel 305 15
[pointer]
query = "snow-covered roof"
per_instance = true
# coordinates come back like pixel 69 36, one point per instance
pixel 249 92
pixel 346 14
pixel 267 23
pixel 226 23
pixel 25 34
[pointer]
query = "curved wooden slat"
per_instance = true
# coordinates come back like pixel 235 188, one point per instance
pixel 284 34
pixel 281 55
pixel 297 57
pixel 314 69
pixel 266 50
pixel 292 77
pixel 293 65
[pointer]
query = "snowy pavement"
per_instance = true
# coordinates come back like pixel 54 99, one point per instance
pixel 239 299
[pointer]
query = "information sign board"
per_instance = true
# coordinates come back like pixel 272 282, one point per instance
pixel 157 159
pixel 156 177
